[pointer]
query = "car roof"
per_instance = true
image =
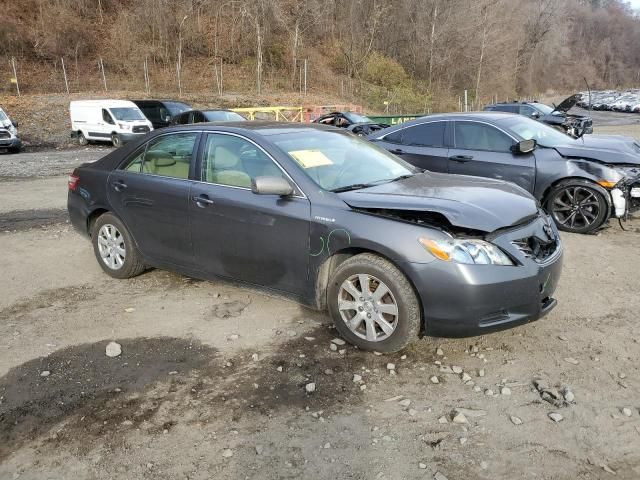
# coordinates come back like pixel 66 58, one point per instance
pixel 487 116
pixel 264 128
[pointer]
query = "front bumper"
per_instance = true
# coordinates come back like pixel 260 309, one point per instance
pixel 127 137
pixel 466 300
pixel 13 143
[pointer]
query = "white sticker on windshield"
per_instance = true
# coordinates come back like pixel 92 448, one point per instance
pixel 310 158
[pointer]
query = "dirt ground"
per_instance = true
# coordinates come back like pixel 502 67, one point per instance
pixel 211 382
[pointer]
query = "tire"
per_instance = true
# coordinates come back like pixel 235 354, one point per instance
pixel 578 206
pixel 82 140
pixel 116 140
pixel 376 272
pixel 14 150
pixel 108 252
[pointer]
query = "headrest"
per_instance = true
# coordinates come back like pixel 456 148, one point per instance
pixel 160 158
pixel 224 158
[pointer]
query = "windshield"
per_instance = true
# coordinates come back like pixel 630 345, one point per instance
pixel 335 160
pixel 3 116
pixel 124 114
pixel 545 109
pixel 222 116
pixel 532 130
pixel 357 118
pixel 176 107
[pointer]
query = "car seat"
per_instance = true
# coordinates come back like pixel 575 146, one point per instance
pixel 223 166
pixel 159 162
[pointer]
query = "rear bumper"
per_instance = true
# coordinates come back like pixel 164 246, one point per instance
pixel 78 211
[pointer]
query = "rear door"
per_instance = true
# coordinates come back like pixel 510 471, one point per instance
pixel 484 150
pixel 150 193
pixel 422 145
pixel 260 239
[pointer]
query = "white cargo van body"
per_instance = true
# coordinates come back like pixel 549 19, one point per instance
pixel 115 121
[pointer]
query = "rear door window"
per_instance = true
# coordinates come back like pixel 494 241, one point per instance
pixel 480 136
pixel 506 108
pixel 166 156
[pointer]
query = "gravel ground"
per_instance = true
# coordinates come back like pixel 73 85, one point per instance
pixel 48 163
pixel 214 380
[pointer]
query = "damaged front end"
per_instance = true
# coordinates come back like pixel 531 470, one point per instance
pixel 626 193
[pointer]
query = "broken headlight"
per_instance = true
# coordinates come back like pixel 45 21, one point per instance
pixel 468 251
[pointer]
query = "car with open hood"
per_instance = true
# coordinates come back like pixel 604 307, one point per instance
pixel 580 182
pixel 327 218
pixel 356 123
pixel 557 116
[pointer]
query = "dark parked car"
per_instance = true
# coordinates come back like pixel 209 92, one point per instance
pixel 160 112
pixel 202 116
pixel 580 182
pixel 557 116
pixel 327 218
pixel 354 122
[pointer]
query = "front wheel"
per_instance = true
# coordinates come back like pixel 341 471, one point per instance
pixel 578 206
pixel 116 140
pixel 373 304
pixel 114 248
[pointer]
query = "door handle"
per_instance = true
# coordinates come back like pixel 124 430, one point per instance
pixel 397 151
pixel 461 158
pixel 202 201
pixel 119 185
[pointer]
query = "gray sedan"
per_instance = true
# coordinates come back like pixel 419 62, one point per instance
pixel 580 182
pixel 327 218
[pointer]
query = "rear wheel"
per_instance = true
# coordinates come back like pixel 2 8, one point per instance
pixel 578 206
pixel 373 304
pixel 114 248
pixel 116 140
pixel 82 140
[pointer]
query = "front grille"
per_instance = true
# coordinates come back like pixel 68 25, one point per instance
pixel 140 129
pixel 5 134
pixel 536 248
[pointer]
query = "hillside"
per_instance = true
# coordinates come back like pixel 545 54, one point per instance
pixel 400 56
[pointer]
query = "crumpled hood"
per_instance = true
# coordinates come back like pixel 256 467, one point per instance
pixel 469 202
pixel 614 149
pixel 568 103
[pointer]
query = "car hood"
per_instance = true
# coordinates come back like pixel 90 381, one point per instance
pixel 468 202
pixel 568 103
pixel 613 149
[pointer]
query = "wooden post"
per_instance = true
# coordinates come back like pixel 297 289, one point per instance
pixel 466 102
pixel 64 72
pixel 15 74
pixel 104 77
pixel 147 86
pixel 305 77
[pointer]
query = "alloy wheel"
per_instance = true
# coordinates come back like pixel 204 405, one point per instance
pixel 111 247
pixel 576 207
pixel 368 308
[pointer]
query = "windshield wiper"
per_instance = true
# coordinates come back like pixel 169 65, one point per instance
pixel 358 186
pixel 355 186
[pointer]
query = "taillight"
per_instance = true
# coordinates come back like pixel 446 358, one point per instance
pixel 73 182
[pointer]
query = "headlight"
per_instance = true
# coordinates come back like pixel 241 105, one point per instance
pixel 467 251
pixel 124 126
pixel 13 130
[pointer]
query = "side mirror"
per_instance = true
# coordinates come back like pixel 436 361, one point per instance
pixel 167 118
pixel 535 115
pixel 271 186
pixel 525 146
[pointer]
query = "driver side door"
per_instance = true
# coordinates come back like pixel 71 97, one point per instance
pixel 483 150
pixel 259 239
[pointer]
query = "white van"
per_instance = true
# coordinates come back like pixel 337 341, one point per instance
pixel 115 121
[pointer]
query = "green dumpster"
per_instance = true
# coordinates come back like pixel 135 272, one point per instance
pixel 394 119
